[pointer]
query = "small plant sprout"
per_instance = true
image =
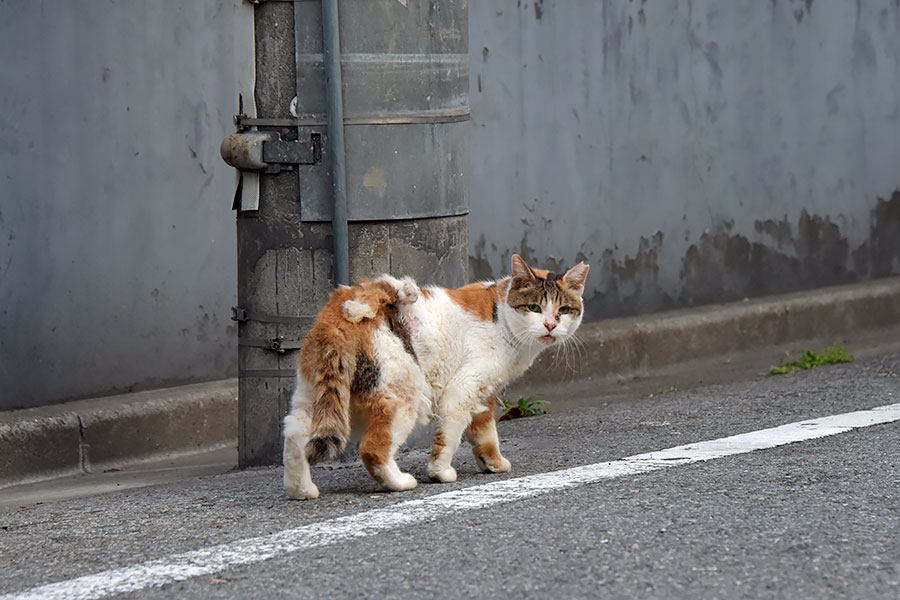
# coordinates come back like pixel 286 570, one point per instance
pixel 527 406
pixel 810 359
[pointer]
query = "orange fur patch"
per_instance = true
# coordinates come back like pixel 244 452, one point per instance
pixel 481 433
pixel 488 452
pixel 478 299
pixel 440 442
pixel 375 445
pixel 332 332
pixel 483 422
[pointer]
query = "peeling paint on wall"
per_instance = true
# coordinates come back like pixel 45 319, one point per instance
pixel 781 256
pixel 691 152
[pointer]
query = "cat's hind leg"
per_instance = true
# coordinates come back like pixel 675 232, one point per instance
pixel 297 480
pixel 390 421
pixel 482 434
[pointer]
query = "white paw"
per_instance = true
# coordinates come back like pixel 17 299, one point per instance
pixel 299 491
pixel 403 482
pixel 407 291
pixel 444 475
pixel 503 466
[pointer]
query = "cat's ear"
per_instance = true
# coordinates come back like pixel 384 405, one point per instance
pixel 576 276
pixel 520 268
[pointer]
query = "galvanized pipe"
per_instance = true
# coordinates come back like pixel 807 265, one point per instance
pixel 334 102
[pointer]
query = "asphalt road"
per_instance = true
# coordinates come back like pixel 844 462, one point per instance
pixel 818 518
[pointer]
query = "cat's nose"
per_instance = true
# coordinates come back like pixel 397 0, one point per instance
pixel 549 326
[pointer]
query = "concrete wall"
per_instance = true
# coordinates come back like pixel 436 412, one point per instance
pixel 692 152
pixel 117 244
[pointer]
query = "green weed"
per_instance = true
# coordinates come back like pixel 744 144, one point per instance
pixel 810 359
pixel 527 406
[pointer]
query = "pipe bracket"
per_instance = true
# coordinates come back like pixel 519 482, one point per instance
pixel 266 152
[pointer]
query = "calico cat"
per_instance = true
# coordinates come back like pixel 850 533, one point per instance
pixel 386 356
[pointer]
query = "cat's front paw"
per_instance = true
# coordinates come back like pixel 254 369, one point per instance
pixel 299 491
pixel 500 465
pixel 442 475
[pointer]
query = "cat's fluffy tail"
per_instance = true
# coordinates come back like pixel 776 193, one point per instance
pixel 332 349
pixel 331 409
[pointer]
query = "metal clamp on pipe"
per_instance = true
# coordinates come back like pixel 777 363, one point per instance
pixel 266 152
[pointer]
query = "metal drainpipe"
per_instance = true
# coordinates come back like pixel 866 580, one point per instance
pixel 334 102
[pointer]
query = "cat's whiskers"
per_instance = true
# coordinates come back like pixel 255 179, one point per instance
pixel 577 345
pixel 517 340
pixel 564 349
pixel 578 351
pixel 570 351
pixel 528 337
pixel 559 348
pixel 514 339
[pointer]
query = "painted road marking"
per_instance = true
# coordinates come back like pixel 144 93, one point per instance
pixel 207 561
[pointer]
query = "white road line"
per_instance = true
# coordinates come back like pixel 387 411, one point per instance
pixel 214 559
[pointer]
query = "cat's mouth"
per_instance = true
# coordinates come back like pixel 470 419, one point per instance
pixel 547 339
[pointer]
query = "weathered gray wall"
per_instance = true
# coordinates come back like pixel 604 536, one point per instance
pixel 690 151
pixel 117 263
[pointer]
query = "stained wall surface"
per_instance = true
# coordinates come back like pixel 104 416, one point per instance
pixel 691 152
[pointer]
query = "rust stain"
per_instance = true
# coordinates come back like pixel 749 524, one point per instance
pixel 374 180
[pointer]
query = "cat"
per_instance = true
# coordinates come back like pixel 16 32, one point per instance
pixel 386 356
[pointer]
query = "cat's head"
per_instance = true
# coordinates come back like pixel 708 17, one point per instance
pixel 543 306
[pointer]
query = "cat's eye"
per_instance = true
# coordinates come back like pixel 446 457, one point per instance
pixel 533 308
pixel 564 310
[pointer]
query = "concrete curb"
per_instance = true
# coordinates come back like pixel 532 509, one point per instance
pixel 91 435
